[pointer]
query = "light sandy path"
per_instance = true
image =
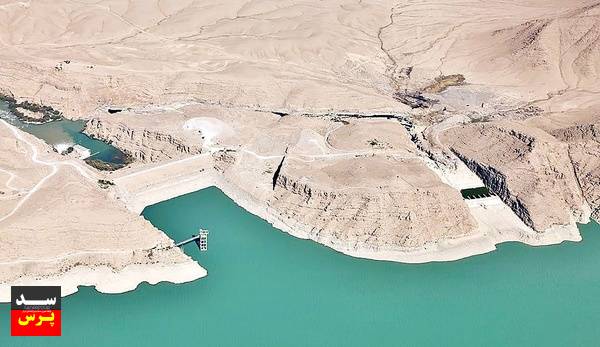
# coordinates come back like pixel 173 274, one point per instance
pixel 34 158
pixel 104 277
pixel 299 157
pixel 11 178
pixel 171 163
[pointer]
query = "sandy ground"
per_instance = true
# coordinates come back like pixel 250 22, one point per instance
pixel 352 123
pixel 106 280
pixel 97 242
pixel 496 222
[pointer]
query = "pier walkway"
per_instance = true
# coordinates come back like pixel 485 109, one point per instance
pixel 201 240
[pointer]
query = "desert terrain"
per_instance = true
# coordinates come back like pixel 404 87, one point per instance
pixel 352 123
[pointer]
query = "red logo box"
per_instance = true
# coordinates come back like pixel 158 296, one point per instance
pixel 35 323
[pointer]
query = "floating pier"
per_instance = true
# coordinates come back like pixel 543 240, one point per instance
pixel 201 240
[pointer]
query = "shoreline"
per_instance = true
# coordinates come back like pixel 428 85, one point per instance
pixel 98 164
pixel 105 280
pixel 481 242
pixel 25 111
pixel 484 240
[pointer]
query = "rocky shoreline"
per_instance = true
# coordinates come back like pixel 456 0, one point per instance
pixel 33 113
pixel 106 280
pixel 196 103
pixel 132 140
pixel 106 166
pixel 483 240
pixel 30 112
pixel 120 250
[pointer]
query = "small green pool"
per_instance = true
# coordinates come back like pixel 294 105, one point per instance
pixel 66 131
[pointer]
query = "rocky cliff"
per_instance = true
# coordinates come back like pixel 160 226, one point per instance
pixel 584 151
pixel 144 144
pixel 397 212
pixel 529 169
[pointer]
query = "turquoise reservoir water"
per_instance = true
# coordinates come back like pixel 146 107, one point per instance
pixel 66 131
pixel 266 288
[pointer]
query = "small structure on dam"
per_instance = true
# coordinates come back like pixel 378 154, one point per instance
pixel 476 193
pixel 201 240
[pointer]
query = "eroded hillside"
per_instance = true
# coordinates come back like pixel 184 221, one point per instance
pixel 354 123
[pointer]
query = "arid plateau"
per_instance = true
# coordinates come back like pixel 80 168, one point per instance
pixel 355 124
